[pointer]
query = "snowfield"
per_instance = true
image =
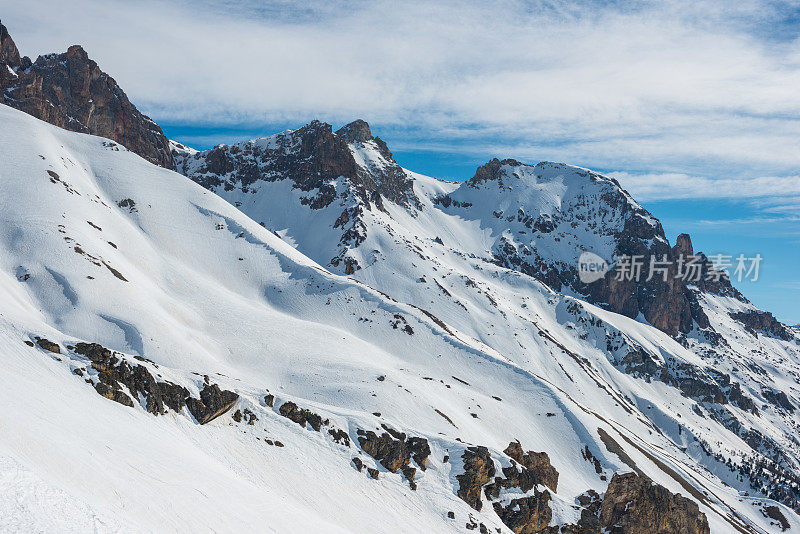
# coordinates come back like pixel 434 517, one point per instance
pixel 427 337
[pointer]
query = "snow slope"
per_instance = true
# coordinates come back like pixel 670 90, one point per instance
pixel 98 245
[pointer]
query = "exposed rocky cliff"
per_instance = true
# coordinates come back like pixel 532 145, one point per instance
pixel 585 207
pixel 313 157
pixel 70 91
pixel 635 505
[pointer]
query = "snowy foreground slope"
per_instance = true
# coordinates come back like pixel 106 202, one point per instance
pixel 99 246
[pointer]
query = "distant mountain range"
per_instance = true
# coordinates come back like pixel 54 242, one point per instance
pixel 297 333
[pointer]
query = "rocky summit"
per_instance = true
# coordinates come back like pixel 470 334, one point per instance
pixel 296 331
pixel 70 91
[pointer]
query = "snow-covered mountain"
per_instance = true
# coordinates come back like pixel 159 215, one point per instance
pixel 304 336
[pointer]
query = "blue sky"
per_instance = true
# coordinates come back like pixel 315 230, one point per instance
pixel 693 106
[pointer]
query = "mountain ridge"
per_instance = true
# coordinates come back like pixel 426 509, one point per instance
pixel 301 319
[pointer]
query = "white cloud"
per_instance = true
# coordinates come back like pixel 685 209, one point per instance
pixel 766 190
pixel 678 87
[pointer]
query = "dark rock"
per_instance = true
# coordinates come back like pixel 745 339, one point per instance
pixel 635 505
pixel 359 465
pixel 764 322
pixel 478 470
pixel 48 345
pixel 70 91
pixel 269 400
pixel 115 372
pixel 526 515
pixel 8 50
pixel 301 416
pixel 356 131
pixel 420 450
pixel 113 394
pixel 394 451
pixel 312 157
pixel 537 463
pixel 409 472
pixel 590 513
pixel 213 403
pixel 704 390
pixel 339 436
pixel 173 396
pixel 490 171
pixel 779 399
pixel 773 512
pixel 373 473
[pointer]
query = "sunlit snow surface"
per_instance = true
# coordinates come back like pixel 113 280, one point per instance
pixel 209 291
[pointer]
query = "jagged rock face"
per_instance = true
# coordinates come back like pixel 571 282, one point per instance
pixel 70 91
pixel 312 157
pixel 635 505
pixel 761 321
pixel 668 304
pixel 478 470
pixel 526 515
pixel 301 416
pixel 393 449
pixel 357 131
pixel 8 50
pixel 538 463
pixel 114 372
pixel 213 403
pixel 547 213
pixel 716 285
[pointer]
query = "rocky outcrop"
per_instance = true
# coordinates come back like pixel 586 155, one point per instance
pixel 528 471
pixel 47 345
pixel 8 50
pixel 386 178
pixel 760 321
pixel 779 399
pixel 526 515
pixel 490 171
pixel 595 207
pixel 536 463
pixel 478 470
pixel 707 279
pixel 213 402
pixel 115 373
pixel 70 91
pixel 394 451
pixel 635 505
pixel 302 416
pixel 666 302
pixel 312 157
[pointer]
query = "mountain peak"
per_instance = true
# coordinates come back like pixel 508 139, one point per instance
pixel 358 130
pixel 9 53
pixel 77 51
pixel 491 170
pixel 70 91
pixel 683 246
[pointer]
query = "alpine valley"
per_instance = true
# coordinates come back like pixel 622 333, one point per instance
pixel 296 334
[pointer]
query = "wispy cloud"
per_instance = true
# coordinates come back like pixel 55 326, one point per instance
pixel 775 193
pixel 677 87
